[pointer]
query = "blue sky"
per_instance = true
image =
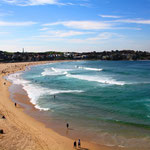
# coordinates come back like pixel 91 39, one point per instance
pixel 74 25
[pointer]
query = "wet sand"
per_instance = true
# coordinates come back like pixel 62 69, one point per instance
pixel 23 132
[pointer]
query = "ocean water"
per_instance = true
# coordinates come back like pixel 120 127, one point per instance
pixel 106 102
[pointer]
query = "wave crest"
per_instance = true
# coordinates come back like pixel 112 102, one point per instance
pixel 91 69
pixel 54 71
pixel 35 91
pixel 96 79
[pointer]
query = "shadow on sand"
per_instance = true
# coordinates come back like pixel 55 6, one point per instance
pixel 82 148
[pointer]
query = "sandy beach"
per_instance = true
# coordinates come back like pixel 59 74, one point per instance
pixel 22 132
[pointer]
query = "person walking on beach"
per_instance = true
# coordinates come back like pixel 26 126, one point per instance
pixel 79 143
pixel 67 125
pixel 75 144
pixel 3 117
pixel 15 104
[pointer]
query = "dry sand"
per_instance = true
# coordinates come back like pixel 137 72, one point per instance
pixel 22 132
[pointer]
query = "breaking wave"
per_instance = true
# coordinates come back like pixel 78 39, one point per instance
pixel 54 71
pixel 91 69
pixel 96 79
pixel 35 91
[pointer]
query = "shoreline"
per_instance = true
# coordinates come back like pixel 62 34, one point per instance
pixel 35 133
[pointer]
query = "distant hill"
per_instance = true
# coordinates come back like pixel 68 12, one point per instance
pixel 52 55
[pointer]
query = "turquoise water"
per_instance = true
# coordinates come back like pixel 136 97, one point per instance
pixel 107 100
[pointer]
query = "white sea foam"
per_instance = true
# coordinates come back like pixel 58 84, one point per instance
pixel 27 86
pixel 148 116
pixel 41 108
pixel 48 72
pixel 60 70
pixel 91 69
pixel 35 91
pixel 96 79
pixel 16 78
pixel 54 71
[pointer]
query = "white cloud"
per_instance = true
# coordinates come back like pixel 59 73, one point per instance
pixel 127 28
pixel 102 36
pixel 109 16
pixel 62 34
pixel 65 33
pixel 137 21
pixel 99 25
pixel 105 36
pixel 35 2
pixel 4 23
pixel 44 29
pixel 85 25
pixel 85 4
pixel 41 2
